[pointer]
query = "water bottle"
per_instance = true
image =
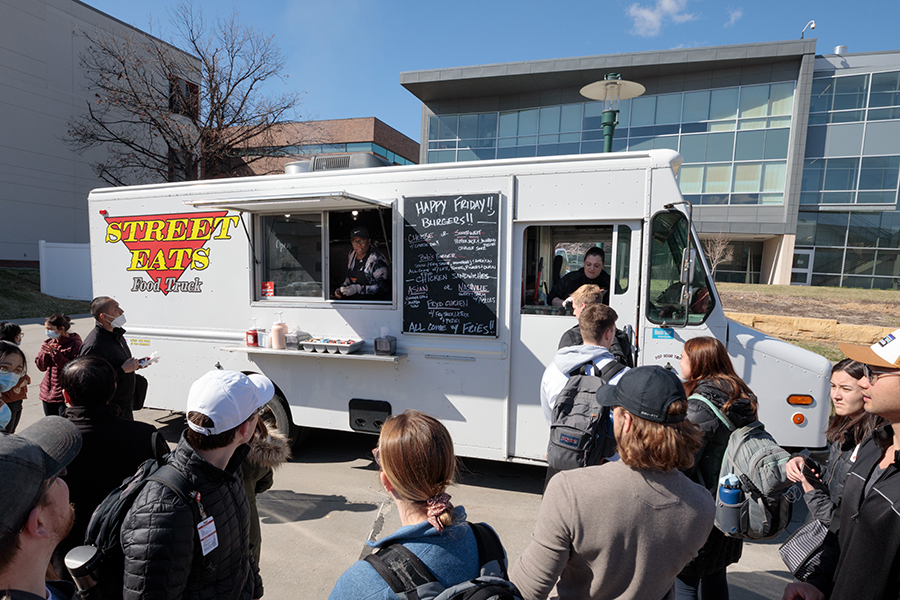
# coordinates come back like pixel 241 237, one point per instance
pixel 731 497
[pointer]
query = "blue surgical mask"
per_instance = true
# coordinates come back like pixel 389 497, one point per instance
pixel 52 334
pixel 5 415
pixel 8 381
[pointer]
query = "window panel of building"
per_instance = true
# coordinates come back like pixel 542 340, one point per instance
pixel 777 143
pixel 720 147
pixel 781 98
pixel 881 138
pixel 827 260
pixel 717 179
pixel 643 111
pixel 841 173
pixel 850 92
pixel 696 106
pixel 886 263
pixel 879 173
pixel 723 103
pixel 549 120
pixel 747 177
pixel 668 108
pixel 750 145
pixel 754 101
pixel 831 229
pixel 885 89
pixel 773 177
pixel 859 262
pixel 690 179
pixel 865 230
pixel 693 148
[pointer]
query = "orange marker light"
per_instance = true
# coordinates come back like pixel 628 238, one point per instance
pixel 798 419
pixel 798 399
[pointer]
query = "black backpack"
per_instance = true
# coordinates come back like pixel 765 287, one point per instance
pixel 581 430
pixel 410 579
pixel 104 529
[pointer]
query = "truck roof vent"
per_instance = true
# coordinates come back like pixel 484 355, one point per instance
pixel 353 160
pixel 326 163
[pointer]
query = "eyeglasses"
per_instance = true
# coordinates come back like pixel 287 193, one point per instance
pixel 872 374
pixel 20 371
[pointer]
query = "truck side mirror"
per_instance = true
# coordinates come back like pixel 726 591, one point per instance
pixel 688 257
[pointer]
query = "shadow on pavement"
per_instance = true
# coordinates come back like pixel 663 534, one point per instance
pixel 763 585
pixel 285 506
pixel 513 477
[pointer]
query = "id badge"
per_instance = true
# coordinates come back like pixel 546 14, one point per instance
pixel 208 539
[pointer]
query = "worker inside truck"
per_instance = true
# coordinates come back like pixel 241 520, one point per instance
pixel 368 272
pixel 311 255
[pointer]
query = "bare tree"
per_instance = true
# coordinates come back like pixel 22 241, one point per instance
pixel 718 250
pixel 163 113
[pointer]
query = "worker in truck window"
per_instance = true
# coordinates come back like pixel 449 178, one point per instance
pixel 368 275
pixel 591 273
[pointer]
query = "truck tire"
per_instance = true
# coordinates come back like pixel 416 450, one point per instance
pixel 277 414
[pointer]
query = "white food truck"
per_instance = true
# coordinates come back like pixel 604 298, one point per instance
pixel 471 250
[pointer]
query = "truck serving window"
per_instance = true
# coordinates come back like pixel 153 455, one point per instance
pixel 311 256
pixel 555 265
pixel 669 234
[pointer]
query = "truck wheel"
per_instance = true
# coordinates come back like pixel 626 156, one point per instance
pixel 277 415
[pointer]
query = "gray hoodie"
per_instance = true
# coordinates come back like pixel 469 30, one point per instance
pixel 557 373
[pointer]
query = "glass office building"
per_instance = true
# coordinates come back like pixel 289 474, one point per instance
pixel 795 157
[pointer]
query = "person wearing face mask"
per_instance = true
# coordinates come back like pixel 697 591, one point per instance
pixel 107 340
pixel 57 350
pixel 13 398
pixel 12 371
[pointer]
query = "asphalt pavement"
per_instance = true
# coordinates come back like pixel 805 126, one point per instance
pixel 327 501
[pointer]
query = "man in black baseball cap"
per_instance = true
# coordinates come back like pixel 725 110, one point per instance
pixel 624 529
pixel 368 273
pixel 35 513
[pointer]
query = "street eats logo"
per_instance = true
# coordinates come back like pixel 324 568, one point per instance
pixel 165 246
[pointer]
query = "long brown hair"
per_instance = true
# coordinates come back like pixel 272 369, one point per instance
pixel 710 361
pixel 650 446
pixel 415 452
pixel 859 426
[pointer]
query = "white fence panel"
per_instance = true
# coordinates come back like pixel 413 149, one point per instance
pixel 66 270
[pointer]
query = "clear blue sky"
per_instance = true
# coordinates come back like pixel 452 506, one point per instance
pixel 346 56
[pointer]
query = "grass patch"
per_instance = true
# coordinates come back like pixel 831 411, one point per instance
pixel 830 351
pixel 21 297
pixel 819 292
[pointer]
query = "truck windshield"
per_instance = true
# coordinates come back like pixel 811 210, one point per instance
pixel 669 235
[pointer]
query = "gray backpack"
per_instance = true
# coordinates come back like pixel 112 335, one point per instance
pixel 581 430
pixel 760 465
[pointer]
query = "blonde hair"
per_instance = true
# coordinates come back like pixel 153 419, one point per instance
pixel 588 294
pixel 415 452
pixel 650 446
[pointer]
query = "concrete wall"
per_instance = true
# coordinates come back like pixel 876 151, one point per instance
pixel 43 184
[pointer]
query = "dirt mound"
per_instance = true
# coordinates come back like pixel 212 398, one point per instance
pixel 854 312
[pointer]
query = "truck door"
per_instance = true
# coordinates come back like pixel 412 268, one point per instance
pixel 547 254
pixel 665 325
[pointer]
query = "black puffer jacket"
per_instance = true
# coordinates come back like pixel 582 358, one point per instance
pixel 719 550
pixel 163 558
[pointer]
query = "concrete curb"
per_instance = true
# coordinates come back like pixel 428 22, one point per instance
pixel 807 328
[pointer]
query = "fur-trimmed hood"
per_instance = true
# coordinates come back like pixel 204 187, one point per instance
pixel 269 451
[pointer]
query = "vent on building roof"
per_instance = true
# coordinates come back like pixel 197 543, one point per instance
pixel 839 50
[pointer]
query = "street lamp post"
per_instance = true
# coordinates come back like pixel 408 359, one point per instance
pixel 609 91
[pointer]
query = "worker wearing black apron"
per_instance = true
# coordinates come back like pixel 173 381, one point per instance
pixel 367 270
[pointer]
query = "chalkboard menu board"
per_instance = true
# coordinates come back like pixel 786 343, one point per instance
pixel 450 262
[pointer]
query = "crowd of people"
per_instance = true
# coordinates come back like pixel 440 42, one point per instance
pixel 640 525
